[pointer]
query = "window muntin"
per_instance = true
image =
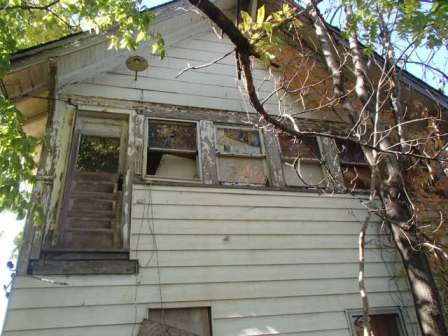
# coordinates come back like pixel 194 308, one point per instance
pixel 240 156
pixel 301 160
pixel 355 168
pixel 172 150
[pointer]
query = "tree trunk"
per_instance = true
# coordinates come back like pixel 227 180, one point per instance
pixel 391 187
pixel 424 290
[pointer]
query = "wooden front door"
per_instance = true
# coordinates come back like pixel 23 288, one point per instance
pixel 91 216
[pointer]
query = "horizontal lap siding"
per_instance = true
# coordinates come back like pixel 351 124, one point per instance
pixel 268 263
pixel 214 86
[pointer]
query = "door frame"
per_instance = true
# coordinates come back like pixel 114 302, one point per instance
pixel 114 119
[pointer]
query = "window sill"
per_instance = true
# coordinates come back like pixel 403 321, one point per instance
pixel 58 262
pixel 357 192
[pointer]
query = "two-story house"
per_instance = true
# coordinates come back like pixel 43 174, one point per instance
pixel 168 211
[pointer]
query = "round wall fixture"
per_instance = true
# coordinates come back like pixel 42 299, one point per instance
pixel 137 64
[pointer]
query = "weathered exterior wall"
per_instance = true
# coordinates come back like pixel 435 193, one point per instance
pixel 214 86
pixel 266 263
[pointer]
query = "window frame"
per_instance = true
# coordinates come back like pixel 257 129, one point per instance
pixel 262 155
pixel 146 148
pixel 353 164
pixel 351 313
pixel 285 160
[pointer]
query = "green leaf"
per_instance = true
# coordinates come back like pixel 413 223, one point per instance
pixel 261 13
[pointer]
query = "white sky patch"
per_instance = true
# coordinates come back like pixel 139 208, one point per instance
pixel 9 229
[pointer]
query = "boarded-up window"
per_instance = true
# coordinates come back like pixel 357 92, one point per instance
pixel 241 158
pixel 177 322
pixel 172 150
pixel 301 160
pixel 380 324
pixel 354 166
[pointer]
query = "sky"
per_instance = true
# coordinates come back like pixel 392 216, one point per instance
pixel 9 228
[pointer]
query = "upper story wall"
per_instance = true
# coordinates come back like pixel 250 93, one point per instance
pixel 214 86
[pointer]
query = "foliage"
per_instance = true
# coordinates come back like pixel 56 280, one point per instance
pixel 259 32
pixel 16 161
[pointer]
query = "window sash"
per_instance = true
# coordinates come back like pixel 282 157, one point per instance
pixel 258 159
pixel 148 148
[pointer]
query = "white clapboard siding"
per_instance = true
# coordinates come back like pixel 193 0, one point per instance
pixel 266 262
pixel 259 257
pixel 213 86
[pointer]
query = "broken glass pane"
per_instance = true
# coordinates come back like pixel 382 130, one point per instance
pixel 350 152
pixel 242 170
pixel 98 154
pixel 238 141
pixel 356 177
pixel 173 165
pixel 172 135
pixel 303 147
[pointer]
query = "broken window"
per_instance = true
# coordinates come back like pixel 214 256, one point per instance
pixel 354 166
pixel 301 160
pixel 177 321
pixel 381 324
pixel 241 158
pixel 172 150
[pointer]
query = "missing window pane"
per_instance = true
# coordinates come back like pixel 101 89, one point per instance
pixel 98 154
pixel 303 147
pixel 172 165
pixel 172 135
pixel 350 152
pixel 356 177
pixel 380 325
pixel 238 141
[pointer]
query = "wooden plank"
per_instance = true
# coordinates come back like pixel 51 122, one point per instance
pixel 110 330
pixel 248 227
pixel 216 46
pixel 259 257
pixel 217 80
pixel 52 318
pixel 88 296
pixel 204 196
pixel 172 86
pixel 234 309
pixel 245 213
pixel 245 242
pixel 282 324
pixel 216 274
pixel 255 192
pixel 70 267
pixel 181 63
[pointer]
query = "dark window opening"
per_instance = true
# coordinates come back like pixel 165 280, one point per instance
pixel 380 325
pixel 172 150
pixel 355 168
